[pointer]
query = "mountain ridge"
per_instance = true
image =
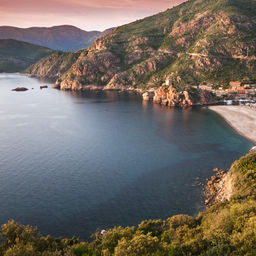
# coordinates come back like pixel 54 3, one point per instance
pixel 64 37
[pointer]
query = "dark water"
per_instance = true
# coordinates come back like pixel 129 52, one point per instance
pixel 72 164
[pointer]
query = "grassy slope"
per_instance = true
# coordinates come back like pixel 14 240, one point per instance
pixel 227 228
pixel 16 55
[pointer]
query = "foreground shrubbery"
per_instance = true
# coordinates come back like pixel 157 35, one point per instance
pixel 227 228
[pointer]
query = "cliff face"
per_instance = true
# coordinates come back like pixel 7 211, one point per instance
pixel 219 188
pixel 239 181
pixel 173 97
pixel 54 66
pixel 198 41
pixel 170 96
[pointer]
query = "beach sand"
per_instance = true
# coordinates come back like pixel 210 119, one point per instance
pixel 241 118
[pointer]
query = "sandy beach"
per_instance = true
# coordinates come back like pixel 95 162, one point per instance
pixel 241 118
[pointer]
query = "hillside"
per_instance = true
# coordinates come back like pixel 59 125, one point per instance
pixel 54 66
pixel 62 38
pixel 199 41
pixel 226 228
pixel 16 56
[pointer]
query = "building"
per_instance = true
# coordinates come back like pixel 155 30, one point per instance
pixel 168 82
pixel 251 91
pixel 235 83
pixel 240 90
pixel 205 87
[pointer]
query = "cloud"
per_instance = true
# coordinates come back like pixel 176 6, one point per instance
pixel 87 14
pixel 128 4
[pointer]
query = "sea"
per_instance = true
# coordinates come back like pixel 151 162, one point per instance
pixel 74 163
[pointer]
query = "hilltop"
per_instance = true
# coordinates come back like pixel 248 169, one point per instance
pixel 209 42
pixel 16 56
pixel 62 38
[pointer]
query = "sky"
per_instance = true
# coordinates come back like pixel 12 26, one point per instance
pixel 85 14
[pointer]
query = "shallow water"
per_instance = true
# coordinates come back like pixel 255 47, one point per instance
pixel 73 163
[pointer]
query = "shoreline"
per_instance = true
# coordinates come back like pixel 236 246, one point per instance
pixel 241 118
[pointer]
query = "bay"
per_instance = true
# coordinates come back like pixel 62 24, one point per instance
pixel 73 163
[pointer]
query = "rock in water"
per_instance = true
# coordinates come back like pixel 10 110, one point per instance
pixel 20 89
pixel 147 96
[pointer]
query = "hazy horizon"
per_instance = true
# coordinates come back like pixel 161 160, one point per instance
pixel 87 15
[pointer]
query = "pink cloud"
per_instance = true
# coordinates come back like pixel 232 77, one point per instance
pixel 86 14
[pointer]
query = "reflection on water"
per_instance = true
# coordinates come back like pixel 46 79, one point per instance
pixel 72 162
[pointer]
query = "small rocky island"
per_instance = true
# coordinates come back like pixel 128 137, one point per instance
pixel 20 89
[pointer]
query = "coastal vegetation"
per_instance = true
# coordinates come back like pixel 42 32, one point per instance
pixel 228 227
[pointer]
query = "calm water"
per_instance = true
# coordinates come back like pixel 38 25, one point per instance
pixel 72 164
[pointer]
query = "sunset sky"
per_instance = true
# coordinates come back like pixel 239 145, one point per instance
pixel 86 14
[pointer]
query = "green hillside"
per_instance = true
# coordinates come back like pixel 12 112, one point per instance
pixel 199 41
pixel 16 56
pixel 228 228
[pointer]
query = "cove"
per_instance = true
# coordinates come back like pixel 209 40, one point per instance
pixel 74 163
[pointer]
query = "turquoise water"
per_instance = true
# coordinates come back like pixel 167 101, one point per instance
pixel 73 163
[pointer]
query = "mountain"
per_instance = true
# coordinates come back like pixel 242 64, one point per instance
pixel 17 56
pixel 211 42
pixel 63 38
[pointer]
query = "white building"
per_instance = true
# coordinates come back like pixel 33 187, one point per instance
pixel 168 82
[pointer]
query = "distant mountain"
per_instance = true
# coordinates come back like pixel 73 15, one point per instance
pixel 64 38
pixel 199 41
pixel 16 56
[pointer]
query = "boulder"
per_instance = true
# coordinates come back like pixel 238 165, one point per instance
pixel 147 96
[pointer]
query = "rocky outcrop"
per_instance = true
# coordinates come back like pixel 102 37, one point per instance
pixel 53 66
pixel 170 96
pixel 148 96
pixel 218 188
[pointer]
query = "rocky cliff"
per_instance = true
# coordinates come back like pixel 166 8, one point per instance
pixel 196 42
pixel 172 97
pixel 54 66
